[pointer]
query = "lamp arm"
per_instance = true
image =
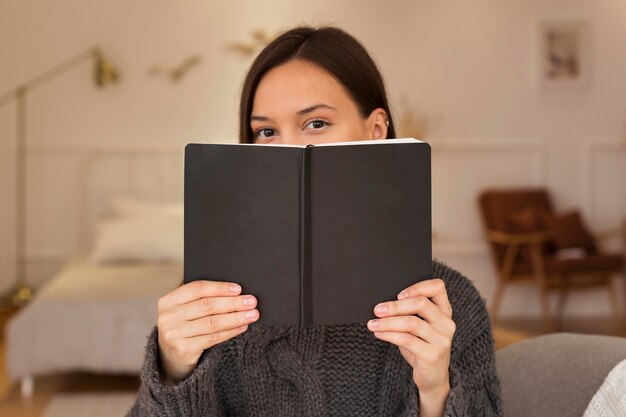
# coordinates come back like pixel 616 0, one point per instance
pixel 48 75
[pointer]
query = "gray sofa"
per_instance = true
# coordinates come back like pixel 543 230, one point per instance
pixel 556 374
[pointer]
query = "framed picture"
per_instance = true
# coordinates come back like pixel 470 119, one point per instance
pixel 563 53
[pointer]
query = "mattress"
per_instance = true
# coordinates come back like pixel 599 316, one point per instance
pixel 89 317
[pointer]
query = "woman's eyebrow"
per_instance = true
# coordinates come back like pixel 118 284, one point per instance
pixel 315 107
pixel 300 112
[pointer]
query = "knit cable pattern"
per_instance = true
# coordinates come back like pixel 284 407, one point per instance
pixel 339 370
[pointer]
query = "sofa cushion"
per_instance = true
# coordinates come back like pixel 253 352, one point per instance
pixel 556 374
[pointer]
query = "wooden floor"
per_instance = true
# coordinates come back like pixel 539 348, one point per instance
pixel 12 405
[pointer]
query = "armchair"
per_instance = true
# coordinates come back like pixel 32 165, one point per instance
pixel 526 245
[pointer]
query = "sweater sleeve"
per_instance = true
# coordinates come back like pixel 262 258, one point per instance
pixel 455 396
pixel 193 396
pixel 474 385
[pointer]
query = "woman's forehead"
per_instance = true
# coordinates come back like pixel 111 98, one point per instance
pixel 295 86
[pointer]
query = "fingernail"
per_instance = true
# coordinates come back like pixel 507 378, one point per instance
pixel 381 308
pixel 248 301
pixel 372 323
pixel 250 314
pixel 234 288
pixel 402 294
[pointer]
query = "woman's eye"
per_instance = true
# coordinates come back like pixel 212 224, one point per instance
pixel 264 133
pixel 318 124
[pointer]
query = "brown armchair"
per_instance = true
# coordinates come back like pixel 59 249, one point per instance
pixel 527 240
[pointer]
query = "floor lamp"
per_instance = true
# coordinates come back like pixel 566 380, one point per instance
pixel 105 73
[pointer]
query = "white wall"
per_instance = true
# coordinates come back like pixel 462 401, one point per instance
pixel 468 66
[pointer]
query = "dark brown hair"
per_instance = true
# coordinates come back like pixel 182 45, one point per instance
pixel 330 48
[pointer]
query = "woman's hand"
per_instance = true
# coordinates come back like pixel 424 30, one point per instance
pixel 197 316
pixel 424 341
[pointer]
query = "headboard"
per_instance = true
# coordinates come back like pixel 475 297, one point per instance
pixel 153 173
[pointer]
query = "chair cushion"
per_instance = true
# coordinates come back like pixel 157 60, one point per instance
pixel 592 263
pixel 569 231
pixel 496 204
pixel 525 220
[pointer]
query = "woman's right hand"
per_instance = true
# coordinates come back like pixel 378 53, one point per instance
pixel 197 316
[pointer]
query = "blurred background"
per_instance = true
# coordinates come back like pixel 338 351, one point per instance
pixel 522 101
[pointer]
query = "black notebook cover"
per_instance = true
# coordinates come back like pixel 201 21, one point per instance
pixel 319 234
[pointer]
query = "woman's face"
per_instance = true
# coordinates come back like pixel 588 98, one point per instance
pixel 300 103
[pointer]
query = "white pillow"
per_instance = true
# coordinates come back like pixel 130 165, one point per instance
pixel 139 239
pixel 141 231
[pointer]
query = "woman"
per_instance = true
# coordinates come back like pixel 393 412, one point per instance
pixel 428 353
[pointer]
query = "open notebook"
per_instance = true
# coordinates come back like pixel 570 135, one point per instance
pixel 318 233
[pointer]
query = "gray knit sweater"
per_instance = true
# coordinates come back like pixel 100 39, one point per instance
pixel 339 370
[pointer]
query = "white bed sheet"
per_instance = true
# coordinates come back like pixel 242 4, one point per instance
pixel 89 317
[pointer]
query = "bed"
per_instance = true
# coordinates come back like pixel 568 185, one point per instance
pixel 96 312
pixel 88 317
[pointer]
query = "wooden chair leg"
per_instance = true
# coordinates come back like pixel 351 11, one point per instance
pixel 624 278
pixel 620 322
pixel 497 301
pixel 540 277
pixel 548 325
pixel 563 293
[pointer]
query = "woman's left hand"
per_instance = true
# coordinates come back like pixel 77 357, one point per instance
pixel 424 341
